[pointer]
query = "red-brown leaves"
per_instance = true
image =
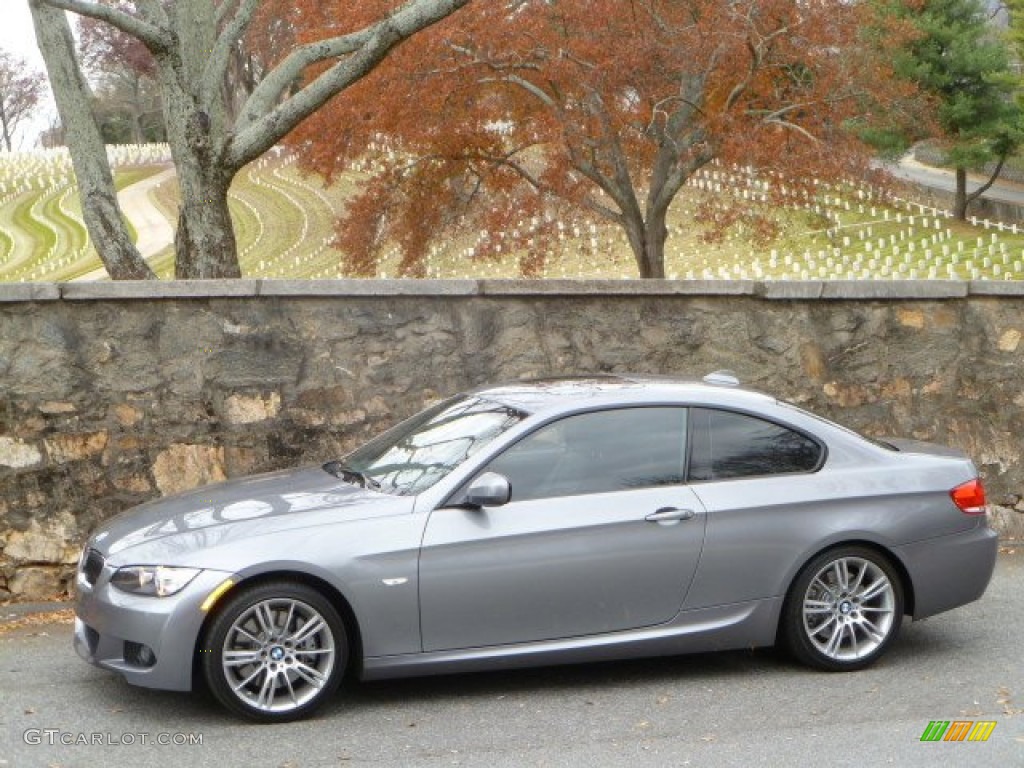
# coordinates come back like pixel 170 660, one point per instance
pixel 534 114
pixel 105 47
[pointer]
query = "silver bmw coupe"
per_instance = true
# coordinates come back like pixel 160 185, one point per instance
pixel 545 522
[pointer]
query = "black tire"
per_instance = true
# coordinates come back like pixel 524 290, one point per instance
pixel 840 628
pixel 286 651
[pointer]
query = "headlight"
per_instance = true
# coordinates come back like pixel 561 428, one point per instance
pixel 157 580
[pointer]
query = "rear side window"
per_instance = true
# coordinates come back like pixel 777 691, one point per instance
pixel 729 445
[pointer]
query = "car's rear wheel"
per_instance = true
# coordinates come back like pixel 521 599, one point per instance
pixel 843 609
pixel 275 651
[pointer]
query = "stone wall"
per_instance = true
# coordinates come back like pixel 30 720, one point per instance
pixel 112 394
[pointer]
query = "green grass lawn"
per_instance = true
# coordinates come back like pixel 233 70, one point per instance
pixel 284 224
pixel 895 241
pixel 282 220
pixel 43 237
pixel 16 242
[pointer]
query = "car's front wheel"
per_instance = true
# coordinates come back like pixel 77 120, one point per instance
pixel 843 609
pixel 275 651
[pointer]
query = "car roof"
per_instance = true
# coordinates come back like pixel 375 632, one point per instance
pixel 570 392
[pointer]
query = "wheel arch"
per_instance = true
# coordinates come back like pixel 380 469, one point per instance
pixel 906 583
pixel 333 595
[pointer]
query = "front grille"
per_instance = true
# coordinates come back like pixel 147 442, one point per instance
pixel 92 566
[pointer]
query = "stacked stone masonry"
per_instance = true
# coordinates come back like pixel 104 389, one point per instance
pixel 112 394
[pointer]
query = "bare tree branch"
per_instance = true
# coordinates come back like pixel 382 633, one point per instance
pixel 794 127
pixel 758 54
pixel 148 33
pixel 623 180
pixel 590 170
pixel 522 82
pixel 410 18
pixel 20 91
pixel 224 10
pixel 277 82
pixel 262 124
pixel 153 11
pixel 100 209
pixel 988 184
pixel 217 64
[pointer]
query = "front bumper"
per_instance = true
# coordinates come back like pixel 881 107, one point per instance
pixel 111 626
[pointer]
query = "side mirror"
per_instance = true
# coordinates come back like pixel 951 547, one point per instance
pixel 488 490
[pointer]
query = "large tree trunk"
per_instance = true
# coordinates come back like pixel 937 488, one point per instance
pixel 204 245
pixel 100 208
pixel 960 195
pixel 136 112
pixel 655 236
pixel 647 240
pixel 192 42
pixel 653 265
pixel 6 127
pixel 968 199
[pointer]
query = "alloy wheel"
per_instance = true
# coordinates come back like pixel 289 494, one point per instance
pixel 848 608
pixel 278 654
pixel 276 651
pixel 844 609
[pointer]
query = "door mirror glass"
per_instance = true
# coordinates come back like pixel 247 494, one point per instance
pixel 488 490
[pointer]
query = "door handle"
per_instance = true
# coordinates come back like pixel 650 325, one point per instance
pixel 670 515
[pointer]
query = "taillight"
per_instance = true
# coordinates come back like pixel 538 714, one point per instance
pixel 970 497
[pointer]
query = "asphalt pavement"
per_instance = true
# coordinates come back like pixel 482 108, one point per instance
pixel 944 179
pixel 153 231
pixel 743 708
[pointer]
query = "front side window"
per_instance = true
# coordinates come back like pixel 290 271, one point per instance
pixel 416 454
pixel 597 452
pixel 729 445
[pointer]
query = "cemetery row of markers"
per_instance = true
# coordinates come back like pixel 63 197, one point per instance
pixel 842 231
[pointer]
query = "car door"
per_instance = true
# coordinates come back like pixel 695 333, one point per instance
pixel 759 484
pixel 600 535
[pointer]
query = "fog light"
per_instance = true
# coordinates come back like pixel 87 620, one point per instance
pixel 139 655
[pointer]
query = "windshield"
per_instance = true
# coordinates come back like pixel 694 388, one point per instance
pixel 417 453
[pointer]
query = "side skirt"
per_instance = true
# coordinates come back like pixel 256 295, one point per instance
pixel 727 627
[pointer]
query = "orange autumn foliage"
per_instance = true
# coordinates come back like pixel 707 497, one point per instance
pixel 523 116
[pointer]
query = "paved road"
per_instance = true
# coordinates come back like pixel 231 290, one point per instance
pixel 942 179
pixel 750 709
pixel 153 229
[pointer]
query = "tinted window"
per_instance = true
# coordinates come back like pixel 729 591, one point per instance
pixel 597 453
pixel 727 444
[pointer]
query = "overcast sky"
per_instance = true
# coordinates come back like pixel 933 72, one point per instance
pixel 18 37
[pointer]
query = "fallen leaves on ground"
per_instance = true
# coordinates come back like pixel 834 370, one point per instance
pixel 1005 697
pixel 60 616
pixel 62 596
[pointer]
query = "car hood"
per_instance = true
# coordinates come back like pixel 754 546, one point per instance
pixel 251 506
